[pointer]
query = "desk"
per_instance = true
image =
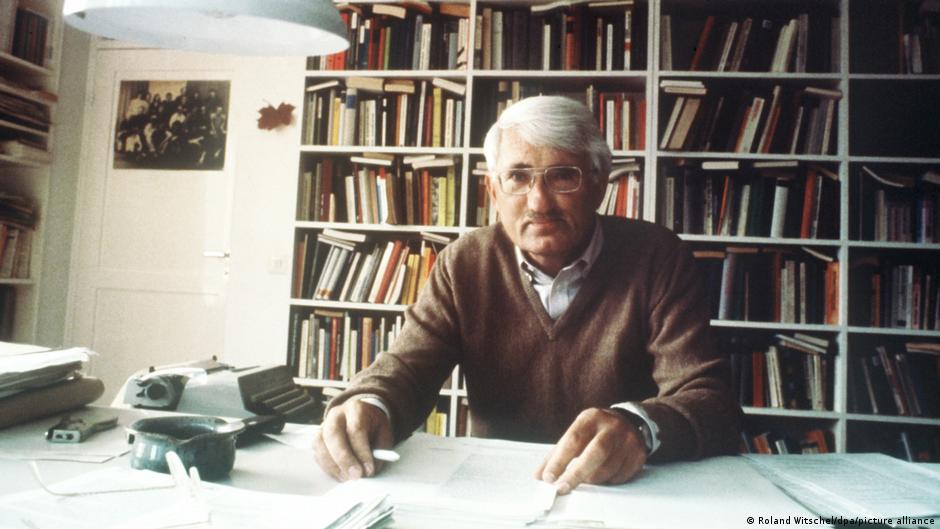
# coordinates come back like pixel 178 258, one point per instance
pixel 719 492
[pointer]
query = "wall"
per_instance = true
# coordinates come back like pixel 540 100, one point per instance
pixel 257 284
pixel 60 209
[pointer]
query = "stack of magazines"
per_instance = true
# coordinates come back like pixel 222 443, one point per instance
pixel 36 382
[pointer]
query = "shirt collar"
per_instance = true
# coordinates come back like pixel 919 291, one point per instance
pixel 582 263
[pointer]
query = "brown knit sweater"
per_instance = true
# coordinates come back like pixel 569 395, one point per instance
pixel 636 331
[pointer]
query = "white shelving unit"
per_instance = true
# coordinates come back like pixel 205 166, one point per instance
pixel 26 177
pixel 840 420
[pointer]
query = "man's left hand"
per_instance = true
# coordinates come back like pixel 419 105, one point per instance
pixel 600 447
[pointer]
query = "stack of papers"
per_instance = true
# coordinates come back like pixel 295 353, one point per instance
pixel 857 489
pixel 28 367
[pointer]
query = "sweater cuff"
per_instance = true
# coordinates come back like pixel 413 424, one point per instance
pixel 374 400
pixel 650 432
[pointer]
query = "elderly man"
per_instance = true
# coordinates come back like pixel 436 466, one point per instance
pixel 587 331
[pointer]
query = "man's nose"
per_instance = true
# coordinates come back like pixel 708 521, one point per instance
pixel 539 197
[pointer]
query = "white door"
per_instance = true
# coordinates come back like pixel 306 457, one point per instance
pixel 150 262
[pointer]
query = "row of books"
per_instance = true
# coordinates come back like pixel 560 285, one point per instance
pixel 17 211
pixel 25 150
pixel 379 188
pixel 378 112
pixel 895 37
pixel 404 36
pixel 344 266
pixel 761 199
pixel 793 372
pixel 600 36
pixel 900 293
pixel 438 420
pixel 7 312
pixel 815 441
pixel 919 38
pixel 624 195
pixel 771 284
pixel 898 206
pixel 917 445
pixel 621 115
pixel 15 251
pixel 729 42
pixel 28 114
pixel 480 208
pixel 788 121
pixel 30 34
pixel 335 345
pixel 897 380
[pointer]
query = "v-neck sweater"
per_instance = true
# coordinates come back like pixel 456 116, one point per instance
pixel 637 330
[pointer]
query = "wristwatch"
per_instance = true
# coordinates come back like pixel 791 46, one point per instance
pixel 644 424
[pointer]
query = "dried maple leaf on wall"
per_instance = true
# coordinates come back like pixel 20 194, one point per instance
pixel 272 118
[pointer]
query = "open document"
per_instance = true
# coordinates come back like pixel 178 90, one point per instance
pixel 847 489
pixel 487 483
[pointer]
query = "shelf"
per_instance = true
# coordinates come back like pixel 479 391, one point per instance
pixel 760 76
pixel 6 159
pixel 343 384
pixel 17 282
pixel 893 159
pixel 29 95
pixel 319 383
pixel 893 77
pixel 694 155
pixel 560 74
pixel 633 153
pixel 4 124
pixel 729 239
pixel 783 412
pixel 773 326
pixel 24 66
pixel 359 149
pixel 349 226
pixel 388 74
pixel 344 305
pixel 888 245
pixel 892 419
pixel 893 332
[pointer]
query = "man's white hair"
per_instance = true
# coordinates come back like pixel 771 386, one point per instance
pixel 557 122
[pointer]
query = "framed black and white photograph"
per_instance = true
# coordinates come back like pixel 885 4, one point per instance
pixel 175 125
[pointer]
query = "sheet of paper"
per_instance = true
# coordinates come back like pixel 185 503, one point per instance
pixel 462 478
pixel 721 492
pixel 228 507
pixel 849 485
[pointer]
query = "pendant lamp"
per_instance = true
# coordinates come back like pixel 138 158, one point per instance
pixel 242 27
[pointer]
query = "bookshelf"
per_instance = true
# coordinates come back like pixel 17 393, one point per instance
pixel 697 110
pixel 30 31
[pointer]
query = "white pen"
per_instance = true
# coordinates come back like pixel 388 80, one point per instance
pixel 386 455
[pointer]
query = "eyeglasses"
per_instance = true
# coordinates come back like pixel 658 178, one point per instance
pixel 557 178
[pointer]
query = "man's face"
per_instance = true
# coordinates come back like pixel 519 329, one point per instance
pixel 551 228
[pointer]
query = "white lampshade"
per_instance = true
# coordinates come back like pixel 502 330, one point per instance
pixel 243 27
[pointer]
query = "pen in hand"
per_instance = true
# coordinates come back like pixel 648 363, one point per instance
pixel 389 456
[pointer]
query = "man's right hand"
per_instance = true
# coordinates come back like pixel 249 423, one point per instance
pixel 349 432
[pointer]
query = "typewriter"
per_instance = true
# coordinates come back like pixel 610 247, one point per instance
pixel 264 397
